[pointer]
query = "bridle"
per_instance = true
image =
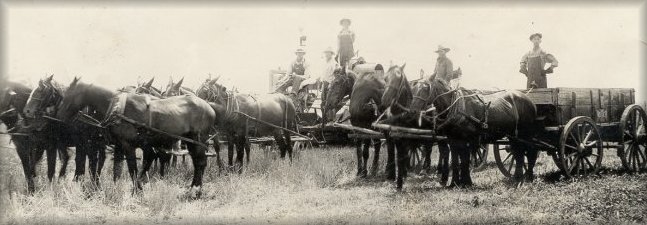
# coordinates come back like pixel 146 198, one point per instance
pixel 52 95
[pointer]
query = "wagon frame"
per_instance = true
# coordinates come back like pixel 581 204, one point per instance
pixel 578 124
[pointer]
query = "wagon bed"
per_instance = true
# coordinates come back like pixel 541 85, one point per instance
pixel 578 123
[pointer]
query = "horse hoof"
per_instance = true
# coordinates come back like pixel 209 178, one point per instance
pixel 530 177
pixel 194 192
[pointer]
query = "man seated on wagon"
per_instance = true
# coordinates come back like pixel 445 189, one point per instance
pixel 444 66
pixel 298 71
pixel 534 62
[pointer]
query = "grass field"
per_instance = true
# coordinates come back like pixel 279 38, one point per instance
pixel 320 187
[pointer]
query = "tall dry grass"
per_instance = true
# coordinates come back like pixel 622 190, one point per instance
pixel 319 187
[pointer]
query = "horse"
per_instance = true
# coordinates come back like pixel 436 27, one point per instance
pixel 14 96
pixel 88 140
pixel 137 121
pixel 365 88
pixel 396 101
pixel 467 115
pixel 236 110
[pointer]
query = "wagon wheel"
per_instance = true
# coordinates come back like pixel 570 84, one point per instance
pixel 580 147
pixel 478 158
pixel 505 159
pixel 632 126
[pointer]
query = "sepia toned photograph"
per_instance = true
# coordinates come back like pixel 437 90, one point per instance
pixel 340 112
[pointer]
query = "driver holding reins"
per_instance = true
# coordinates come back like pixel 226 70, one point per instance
pixel 298 71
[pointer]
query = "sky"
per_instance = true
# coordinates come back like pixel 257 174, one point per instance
pixel 116 45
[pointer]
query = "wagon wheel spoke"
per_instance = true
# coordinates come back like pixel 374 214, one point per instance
pixel 589 163
pixel 512 162
pixel 571 147
pixel 506 158
pixel 629 135
pixel 591 144
pixel 573 164
pixel 588 136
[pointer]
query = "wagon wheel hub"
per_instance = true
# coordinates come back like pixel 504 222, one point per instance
pixel 581 148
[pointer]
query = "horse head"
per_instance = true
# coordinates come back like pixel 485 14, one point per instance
pixel 147 88
pixel 73 100
pixel 47 94
pixel 340 87
pixel 212 91
pixel 434 91
pixel 398 91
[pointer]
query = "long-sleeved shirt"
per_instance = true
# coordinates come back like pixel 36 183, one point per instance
pixel 444 69
pixel 328 69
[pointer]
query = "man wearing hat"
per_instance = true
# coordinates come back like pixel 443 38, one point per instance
pixel 298 71
pixel 444 68
pixel 534 62
pixel 345 40
pixel 327 74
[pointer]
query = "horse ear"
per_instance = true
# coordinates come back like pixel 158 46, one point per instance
pixel 49 78
pixel 179 83
pixel 216 79
pixel 402 67
pixel 150 82
pixel 75 81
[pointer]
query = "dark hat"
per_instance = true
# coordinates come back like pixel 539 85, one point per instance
pixel 344 20
pixel 535 34
pixel 300 50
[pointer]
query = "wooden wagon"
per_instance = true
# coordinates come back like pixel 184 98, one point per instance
pixel 579 124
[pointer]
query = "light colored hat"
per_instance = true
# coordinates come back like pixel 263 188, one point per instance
pixel 329 49
pixel 441 48
pixel 536 35
pixel 344 20
pixel 300 50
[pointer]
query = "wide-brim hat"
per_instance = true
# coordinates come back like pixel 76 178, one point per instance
pixel 329 49
pixel 441 48
pixel 300 50
pixel 344 20
pixel 535 35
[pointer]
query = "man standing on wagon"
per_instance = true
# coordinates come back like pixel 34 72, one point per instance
pixel 534 62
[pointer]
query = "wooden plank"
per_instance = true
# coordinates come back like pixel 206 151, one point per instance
pixel 365 136
pixel 402 129
pixel 542 96
pixel 356 129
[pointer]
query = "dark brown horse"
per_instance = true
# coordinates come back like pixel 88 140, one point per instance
pixel 89 141
pixel 365 89
pixel 130 117
pixel 12 102
pixel 509 114
pixel 234 108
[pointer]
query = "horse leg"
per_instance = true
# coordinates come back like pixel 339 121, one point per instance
pixel 247 149
pixel 79 160
pixel 163 158
pixel 101 157
pixel 531 155
pixel 465 177
pixel 131 162
pixel 358 150
pixel 118 158
pixel 403 163
pixel 93 157
pixel 24 155
pixel 443 162
pixel 376 156
pixel 455 148
pixel 230 149
pixel 426 152
pixel 199 159
pixel 390 159
pixel 240 152
pixel 365 157
pixel 518 154
pixel 51 162
pixel 65 159
pixel 288 144
pixel 147 161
